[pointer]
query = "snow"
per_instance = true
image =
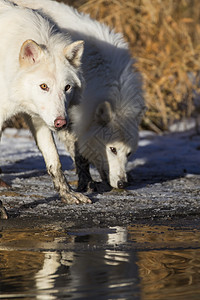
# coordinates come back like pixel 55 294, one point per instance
pixel 172 153
pixel 176 150
pixel 165 170
pixel 18 147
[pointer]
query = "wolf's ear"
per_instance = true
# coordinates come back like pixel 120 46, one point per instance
pixel 74 52
pixel 30 53
pixel 103 113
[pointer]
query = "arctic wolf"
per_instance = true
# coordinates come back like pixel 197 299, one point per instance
pixel 106 122
pixel 39 76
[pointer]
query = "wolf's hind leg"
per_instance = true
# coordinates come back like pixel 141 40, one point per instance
pixel 46 145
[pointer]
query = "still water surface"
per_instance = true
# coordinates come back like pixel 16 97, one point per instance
pixel 134 262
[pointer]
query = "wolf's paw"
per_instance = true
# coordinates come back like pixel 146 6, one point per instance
pixel 94 186
pixel 99 187
pixel 75 198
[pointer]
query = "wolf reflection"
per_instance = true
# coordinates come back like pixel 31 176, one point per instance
pixel 48 274
pixel 112 261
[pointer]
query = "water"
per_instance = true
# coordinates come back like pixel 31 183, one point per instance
pixel 135 262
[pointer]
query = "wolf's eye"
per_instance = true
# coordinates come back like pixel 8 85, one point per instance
pixel 113 150
pixel 67 87
pixel 128 154
pixel 44 87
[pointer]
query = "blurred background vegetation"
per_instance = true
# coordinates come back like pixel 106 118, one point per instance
pixel 164 37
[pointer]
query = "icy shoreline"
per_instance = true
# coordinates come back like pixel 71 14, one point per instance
pixel 165 181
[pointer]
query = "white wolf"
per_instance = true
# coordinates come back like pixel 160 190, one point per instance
pixel 106 122
pixel 39 74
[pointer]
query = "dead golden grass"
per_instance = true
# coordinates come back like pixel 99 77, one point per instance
pixel 164 37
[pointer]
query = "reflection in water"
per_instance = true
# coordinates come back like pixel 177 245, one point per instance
pixel 170 274
pixel 17 271
pixel 138 262
pixel 62 274
pixel 167 274
pixel 45 278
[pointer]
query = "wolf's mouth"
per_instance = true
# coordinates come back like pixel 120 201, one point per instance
pixel 60 128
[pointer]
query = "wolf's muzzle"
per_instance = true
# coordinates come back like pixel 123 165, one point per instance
pixel 121 184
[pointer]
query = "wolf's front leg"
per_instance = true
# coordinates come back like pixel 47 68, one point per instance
pixel 46 145
pixel 83 171
pixel 82 165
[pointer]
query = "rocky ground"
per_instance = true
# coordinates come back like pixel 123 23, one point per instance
pixel 165 183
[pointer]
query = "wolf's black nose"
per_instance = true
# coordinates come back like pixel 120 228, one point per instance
pixel 121 184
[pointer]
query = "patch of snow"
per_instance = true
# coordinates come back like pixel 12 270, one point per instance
pixel 157 170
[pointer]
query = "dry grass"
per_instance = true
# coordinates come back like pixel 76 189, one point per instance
pixel 164 36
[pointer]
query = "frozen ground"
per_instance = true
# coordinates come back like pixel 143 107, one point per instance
pixel 165 174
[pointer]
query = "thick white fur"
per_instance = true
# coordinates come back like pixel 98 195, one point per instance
pixel 33 52
pixel 110 78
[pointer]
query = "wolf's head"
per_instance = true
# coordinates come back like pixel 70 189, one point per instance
pixel 47 80
pixel 109 141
